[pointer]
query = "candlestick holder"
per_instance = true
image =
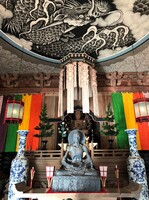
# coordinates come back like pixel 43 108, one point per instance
pixel 103 175
pixel 49 175
pixel 118 180
pixel 32 173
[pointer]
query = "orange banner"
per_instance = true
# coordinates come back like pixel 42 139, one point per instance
pixel 36 105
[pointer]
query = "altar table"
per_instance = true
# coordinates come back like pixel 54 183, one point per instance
pixel 131 191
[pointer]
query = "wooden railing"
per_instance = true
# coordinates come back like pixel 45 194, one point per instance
pixel 45 154
pixel 41 159
pixel 98 153
pixel 110 157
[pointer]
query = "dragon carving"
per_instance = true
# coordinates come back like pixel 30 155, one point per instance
pixel 51 24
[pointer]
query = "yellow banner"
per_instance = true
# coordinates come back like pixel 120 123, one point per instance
pixel 26 116
pixel 130 115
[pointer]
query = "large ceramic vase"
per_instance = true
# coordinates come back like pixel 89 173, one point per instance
pixel 136 166
pixel 19 166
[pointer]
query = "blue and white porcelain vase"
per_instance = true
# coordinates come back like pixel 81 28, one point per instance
pixel 135 165
pixel 19 166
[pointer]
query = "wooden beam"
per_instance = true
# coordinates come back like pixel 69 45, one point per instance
pixel 50 91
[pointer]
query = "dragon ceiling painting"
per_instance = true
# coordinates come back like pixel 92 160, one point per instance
pixel 54 28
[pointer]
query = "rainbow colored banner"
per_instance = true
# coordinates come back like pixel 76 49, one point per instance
pixel 123 112
pixel 125 117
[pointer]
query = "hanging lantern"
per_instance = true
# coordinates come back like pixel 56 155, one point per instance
pixel 141 107
pixel 14 111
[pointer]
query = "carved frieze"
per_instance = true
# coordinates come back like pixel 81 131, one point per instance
pixel 42 80
pixel 9 80
pixel 116 81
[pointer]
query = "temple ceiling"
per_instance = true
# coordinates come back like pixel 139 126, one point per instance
pixel 35 34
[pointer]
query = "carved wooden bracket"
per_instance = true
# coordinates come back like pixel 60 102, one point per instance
pixel 143 78
pixel 9 80
pixel 42 80
pixel 112 78
pixel 132 79
pixel 113 81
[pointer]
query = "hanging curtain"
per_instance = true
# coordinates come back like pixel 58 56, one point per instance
pixel 94 91
pixel 70 85
pixel 83 71
pixel 36 104
pixel 142 127
pixel 3 126
pixel 144 135
pixel 26 116
pixel 11 138
pixel 122 138
pixel 129 114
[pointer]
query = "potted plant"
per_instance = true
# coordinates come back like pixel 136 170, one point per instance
pixel 45 127
pixel 109 126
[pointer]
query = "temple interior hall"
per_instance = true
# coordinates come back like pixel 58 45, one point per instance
pixel 74 72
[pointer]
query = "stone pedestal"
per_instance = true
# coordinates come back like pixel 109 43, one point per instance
pixel 76 183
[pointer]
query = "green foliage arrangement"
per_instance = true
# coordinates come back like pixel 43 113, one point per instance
pixel 45 127
pixel 109 126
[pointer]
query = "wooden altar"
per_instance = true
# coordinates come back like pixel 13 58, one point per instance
pixel 131 191
pixel 41 159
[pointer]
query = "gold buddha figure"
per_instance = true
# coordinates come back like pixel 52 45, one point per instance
pixel 79 123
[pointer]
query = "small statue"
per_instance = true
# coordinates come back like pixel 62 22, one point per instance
pixel 74 158
pixel 78 123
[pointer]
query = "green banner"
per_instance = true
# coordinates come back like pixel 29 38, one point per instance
pixel 10 145
pixel 118 108
pixel 11 138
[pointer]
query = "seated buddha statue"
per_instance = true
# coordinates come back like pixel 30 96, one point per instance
pixel 73 158
pixel 77 172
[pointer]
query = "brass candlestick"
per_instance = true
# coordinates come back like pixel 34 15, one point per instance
pixel 32 172
pixel 118 181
